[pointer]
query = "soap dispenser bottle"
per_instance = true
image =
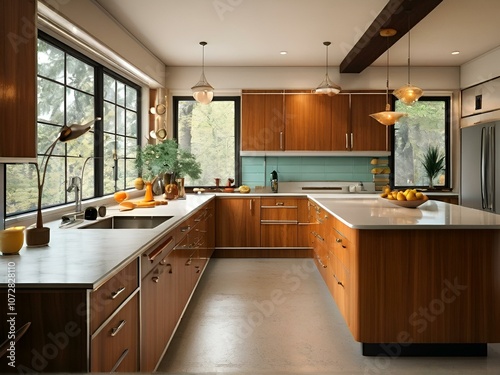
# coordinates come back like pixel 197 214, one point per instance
pixel 274 181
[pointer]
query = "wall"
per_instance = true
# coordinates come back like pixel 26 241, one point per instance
pixel 480 69
pixel 256 170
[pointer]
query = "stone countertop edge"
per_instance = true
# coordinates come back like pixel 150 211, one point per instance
pixel 375 213
pixel 87 258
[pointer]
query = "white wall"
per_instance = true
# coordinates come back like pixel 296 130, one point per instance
pixel 480 69
pixel 179 80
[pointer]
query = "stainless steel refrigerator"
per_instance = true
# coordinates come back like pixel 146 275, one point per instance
pixel 480 152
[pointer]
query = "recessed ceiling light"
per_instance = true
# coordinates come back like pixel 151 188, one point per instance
pixel 283 53
pixel 455 53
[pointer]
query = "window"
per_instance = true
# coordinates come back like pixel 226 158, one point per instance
pixel 73 89
pixel 211 133
pixel 427 125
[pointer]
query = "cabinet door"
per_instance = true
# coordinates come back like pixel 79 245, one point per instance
pixel 262 122
pixel 51 330
pixel 115 347
pixel 158 311
pixel 238 222
pixel 340 122
pixel 367 134
pixel 18 79
pixel 308 122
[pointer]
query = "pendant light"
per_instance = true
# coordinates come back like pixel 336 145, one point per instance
pixel 387 117
pixel 203 92
pixel 327 86
pixel 408 94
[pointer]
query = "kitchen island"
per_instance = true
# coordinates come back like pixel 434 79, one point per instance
pixel 428 276
pixel 423 276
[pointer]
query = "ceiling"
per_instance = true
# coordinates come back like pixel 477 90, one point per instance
pixel 253 32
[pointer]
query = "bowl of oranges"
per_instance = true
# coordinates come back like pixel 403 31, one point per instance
pixel 409 198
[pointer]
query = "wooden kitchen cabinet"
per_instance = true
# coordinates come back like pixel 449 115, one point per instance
pixel 367 134
pixel 159 313
pixel 308 122
pixel 114 348
pixel 279 221
pixel 56 339
pixel 262 120
pixel 340 122
pixel 18 68
pixel 237 222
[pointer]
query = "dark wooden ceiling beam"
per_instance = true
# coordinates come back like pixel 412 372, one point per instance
pixel 395 16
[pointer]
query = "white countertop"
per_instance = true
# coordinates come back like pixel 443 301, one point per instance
pixel 373 212
pixel 84 258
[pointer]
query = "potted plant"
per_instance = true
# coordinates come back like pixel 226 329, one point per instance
pixel 167 158
pixel 433 163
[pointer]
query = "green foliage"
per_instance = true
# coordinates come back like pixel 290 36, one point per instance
pixel 166 157
pixel 433 162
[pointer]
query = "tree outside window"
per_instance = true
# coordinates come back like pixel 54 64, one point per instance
pixel 425 127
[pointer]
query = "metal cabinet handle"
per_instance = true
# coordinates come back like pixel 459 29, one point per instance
pixel 116 293
pixel 338 240
pixel 352 140
pixel 115 330
pixel 189 261
pixel 186 228
pixel 281 140
pixel 155 279
pixel 338 281
pixel 152 255
pixel 347 141
pixel 321 263
pixel 120 360
pixel 280 203
pixel 251 204
pixel 4 347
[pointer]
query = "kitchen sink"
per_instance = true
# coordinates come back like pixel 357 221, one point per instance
pixel 128 222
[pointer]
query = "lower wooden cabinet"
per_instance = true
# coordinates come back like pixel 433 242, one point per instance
pixel 237 222
pixel 278 219
pixel 114 346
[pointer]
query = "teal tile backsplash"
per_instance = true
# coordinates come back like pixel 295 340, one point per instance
pixel 256 169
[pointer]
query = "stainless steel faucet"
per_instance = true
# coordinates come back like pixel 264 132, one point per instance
pixel 76 186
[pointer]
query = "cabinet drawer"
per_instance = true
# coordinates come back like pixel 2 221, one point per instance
pixel 278 235
pixel 338 283
pixel 152 257
pixel 115 347
pixel 341 247
pixel 111 294
pixel 278 202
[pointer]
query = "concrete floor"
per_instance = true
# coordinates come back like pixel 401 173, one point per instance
pixel 276 316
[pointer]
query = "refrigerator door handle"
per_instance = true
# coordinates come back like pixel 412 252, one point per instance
pixel 484 153
pixel 490 177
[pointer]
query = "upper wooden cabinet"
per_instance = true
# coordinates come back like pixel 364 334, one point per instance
pixel 308 122
pixel 18 40
pixel 366 133
pixel 301 121
pixel 262 121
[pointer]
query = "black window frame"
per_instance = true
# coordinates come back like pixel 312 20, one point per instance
pixel 237 129
pixel 448 183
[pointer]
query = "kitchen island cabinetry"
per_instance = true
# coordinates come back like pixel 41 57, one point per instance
pixel 278 222
pixel 398 277
pixel 18 30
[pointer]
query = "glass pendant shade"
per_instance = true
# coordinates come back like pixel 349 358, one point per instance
pixel 203 92
pixel 408 94
pixel 388 117
pixel 327 86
